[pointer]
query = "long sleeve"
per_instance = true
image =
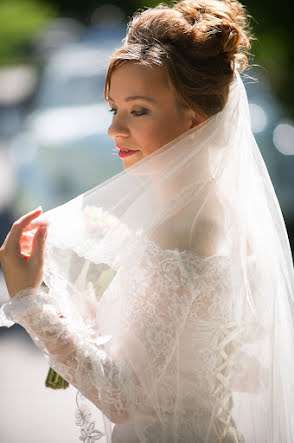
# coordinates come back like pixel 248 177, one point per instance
pixel 118 364
pixel 77 354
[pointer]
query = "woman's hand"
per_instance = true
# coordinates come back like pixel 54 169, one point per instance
pixel 22 271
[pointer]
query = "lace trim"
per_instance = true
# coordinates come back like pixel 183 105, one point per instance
pixel 84 420
pixel 28 294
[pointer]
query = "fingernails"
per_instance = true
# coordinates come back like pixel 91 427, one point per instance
pixel 39 208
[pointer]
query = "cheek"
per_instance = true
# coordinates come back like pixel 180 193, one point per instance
pixel 166 129
pixel 156 138
pixel 154 133
pixel 149 135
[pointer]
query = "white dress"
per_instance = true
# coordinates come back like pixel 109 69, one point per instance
pixel 190 341
pixel 176 321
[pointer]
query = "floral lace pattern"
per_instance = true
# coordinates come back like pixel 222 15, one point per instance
pixel 83 418
pixel 142 320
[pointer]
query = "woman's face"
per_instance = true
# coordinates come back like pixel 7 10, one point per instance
pixel 146 113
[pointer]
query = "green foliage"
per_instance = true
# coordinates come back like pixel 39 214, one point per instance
pixel 273 50
pixel 151 3
pixel 20 22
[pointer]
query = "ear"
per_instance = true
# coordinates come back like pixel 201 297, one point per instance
pixel 195 118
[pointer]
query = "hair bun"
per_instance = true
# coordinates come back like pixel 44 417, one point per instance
pixel 218 27
pixel 196 42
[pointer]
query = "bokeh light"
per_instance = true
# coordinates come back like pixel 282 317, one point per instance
pixel 258 118
pixel 283 138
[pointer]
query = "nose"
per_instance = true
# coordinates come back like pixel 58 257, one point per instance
pixel 118 128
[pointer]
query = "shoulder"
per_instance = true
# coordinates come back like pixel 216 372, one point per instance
pixel 206 237
pixel 208 230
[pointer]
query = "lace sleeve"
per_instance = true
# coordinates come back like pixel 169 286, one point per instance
pixel 76 353
pixel 140 317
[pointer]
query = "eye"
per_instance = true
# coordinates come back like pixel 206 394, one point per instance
pixel 142 111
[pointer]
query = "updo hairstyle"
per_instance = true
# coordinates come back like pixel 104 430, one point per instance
pixel 198 42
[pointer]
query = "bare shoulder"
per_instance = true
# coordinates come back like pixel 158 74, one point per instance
pixel 208 230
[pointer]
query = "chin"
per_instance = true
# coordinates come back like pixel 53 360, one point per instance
pixel 130 161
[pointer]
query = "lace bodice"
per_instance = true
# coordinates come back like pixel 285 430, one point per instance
pixel 170 311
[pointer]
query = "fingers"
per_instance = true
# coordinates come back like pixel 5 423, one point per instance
pixel 34 225
pixel 27 218
pixel 13 238
pixel 26 241
pixel 38 246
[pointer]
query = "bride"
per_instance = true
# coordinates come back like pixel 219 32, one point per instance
pixel 169 288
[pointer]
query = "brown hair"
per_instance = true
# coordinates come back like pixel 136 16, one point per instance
pixel 197 42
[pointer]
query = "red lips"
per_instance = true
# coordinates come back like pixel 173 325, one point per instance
pixel 124 147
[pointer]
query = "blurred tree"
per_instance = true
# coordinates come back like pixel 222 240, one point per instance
pixel 273 48
pixel 20 21
pixel 272 25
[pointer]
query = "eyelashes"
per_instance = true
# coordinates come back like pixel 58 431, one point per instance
pixel 142 111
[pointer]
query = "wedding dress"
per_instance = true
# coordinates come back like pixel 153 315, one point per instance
pixel 170 294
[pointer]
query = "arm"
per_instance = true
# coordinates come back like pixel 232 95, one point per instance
pixel 73 353
pixel 118 376
pixel 143 313
pixel 35 310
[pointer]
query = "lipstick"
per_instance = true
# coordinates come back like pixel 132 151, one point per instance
pixel 123 153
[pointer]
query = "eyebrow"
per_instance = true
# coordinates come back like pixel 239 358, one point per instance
pixel 137 97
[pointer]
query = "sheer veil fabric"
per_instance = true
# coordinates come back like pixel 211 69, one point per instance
pixel 193 337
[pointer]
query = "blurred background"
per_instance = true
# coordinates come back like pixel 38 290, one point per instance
pixel 54 146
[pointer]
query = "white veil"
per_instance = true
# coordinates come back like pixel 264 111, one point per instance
pixel 193 338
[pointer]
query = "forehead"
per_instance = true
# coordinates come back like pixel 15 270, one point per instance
pixel 131 79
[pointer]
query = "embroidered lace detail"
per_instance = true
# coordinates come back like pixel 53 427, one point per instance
pixel 5 312
pixel 84 420
pixel 129 360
